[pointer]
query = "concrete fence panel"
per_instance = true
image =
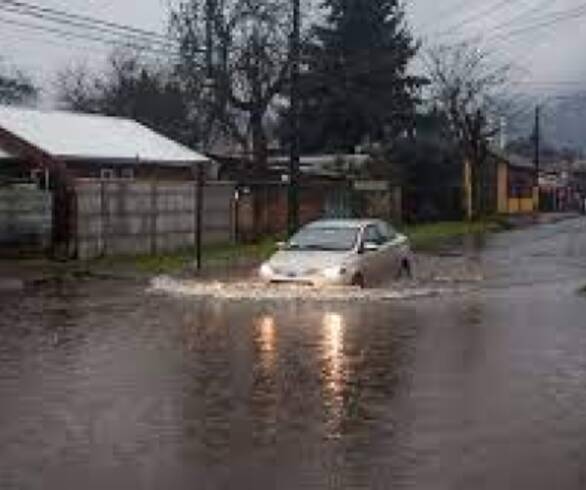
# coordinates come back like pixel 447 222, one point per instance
pixel 125 217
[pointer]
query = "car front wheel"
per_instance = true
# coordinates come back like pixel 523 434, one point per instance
pixel 358 281
pixel 406 269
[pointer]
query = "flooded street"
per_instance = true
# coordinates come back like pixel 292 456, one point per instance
pixel 108 385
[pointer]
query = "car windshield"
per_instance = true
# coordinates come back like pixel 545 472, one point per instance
pixel 324 239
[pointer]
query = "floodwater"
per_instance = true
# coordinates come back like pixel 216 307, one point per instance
pixel 109 385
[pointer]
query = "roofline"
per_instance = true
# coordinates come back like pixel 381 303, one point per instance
pixel 13 140
pixel 133 161
pixel 526 165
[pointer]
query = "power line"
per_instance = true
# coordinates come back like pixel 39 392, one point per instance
pixel 33 36
pixel 87 37
pixel 554 18
pixel 85 27
pixel 522 15
pixel 86 19
pixel 473 18
pixel 453 9
pixel 550 83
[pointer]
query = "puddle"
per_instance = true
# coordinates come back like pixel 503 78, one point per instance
pixel 254 291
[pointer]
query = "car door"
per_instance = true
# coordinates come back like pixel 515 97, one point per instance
pixel 391 256
pixel 372 260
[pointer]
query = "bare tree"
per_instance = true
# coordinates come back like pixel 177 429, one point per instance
pixel 250 64
pixel 76 89
pixel 16 88
pixel 471 90
pixel 131 87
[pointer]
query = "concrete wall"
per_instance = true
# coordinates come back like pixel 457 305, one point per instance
pixel 125 217
pixel 25 216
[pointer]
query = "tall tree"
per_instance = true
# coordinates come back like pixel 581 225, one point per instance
pixel 470 90
pixel 356 85
pixel 130 87
pixel 250 64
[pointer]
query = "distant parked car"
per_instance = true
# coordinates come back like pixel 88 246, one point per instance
pixel 340 252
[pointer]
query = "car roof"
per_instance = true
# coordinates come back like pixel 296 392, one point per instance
pixel 343 223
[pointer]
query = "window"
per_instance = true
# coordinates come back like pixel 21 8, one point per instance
pixel 107 174
pixel 386 231
pixel 128 173
pixel 372 235
pixel 324 239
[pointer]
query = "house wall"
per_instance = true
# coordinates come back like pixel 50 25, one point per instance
pixel 122 217
pixel 88 170
pixel 515 190
pixel 519 205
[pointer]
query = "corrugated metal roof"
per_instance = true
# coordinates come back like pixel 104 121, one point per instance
pixel 72 135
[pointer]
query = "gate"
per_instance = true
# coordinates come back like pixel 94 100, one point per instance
pixel 25 217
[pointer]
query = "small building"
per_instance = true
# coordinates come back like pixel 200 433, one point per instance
pixel 111 185
pixel 517 190
pixel 90 146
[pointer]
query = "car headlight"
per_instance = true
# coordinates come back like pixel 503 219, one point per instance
pixel 333 272
pixel 266 270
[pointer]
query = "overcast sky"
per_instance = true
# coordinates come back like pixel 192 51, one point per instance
pixel 551 54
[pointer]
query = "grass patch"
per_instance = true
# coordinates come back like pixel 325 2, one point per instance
pixel 427 236
pixel 173 263
pixel 228 254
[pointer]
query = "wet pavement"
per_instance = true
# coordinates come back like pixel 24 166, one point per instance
pixel 104 384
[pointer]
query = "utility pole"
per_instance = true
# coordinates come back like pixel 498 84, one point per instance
pixel 207 135
pixel 537 138
pixel 536 158
pixel 293 195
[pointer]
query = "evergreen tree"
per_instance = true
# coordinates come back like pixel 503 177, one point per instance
pixel 356 85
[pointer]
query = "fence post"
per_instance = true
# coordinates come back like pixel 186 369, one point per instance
pixel 103 220
pixel 199 215
pixel 154 210
pixel 235 212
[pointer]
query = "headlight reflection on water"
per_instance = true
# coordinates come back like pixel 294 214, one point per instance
pixel 333 325
pixel 266 329
pixel 266 339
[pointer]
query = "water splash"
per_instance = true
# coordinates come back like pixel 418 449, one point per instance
pixel 255 291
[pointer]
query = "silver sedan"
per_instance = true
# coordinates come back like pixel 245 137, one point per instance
pixel 340 252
